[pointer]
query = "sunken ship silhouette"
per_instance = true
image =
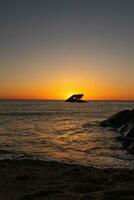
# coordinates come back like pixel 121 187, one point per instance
pixel 76 98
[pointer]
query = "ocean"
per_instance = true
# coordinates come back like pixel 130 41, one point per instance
pixel 61 131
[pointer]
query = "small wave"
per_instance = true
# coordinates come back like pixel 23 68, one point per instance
pixel 25 113
pixel 28 113
pixel 112 148
pixel 4 151
pixel 88 125
pixel 10 154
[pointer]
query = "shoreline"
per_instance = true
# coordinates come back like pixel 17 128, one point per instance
pixel 35 179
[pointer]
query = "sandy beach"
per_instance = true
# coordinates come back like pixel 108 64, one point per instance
pixel 34 179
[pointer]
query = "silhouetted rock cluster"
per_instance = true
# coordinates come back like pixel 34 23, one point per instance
pixel 123 122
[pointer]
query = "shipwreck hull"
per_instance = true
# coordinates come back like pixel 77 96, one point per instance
pixel 76 98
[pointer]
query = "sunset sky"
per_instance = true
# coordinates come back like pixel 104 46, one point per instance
pixel 50 49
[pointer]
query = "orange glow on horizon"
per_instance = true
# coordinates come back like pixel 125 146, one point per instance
pixel 64 93
pixel 61 87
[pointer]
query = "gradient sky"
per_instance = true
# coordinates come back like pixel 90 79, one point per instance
pixel 50 49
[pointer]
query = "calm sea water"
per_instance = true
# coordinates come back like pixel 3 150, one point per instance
pixel 67 132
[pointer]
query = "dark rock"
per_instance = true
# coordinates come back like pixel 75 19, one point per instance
pixel 127 129
pixel 130 130
pixel 116 120
pixel 123 122
pixel 130 148
pixel 128 133
pixel 126 142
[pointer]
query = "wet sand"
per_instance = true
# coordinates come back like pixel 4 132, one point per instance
pixel 49 180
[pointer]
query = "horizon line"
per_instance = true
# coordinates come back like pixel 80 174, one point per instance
pixel 34 99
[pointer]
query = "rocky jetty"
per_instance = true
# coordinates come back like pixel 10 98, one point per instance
pixel 123 122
